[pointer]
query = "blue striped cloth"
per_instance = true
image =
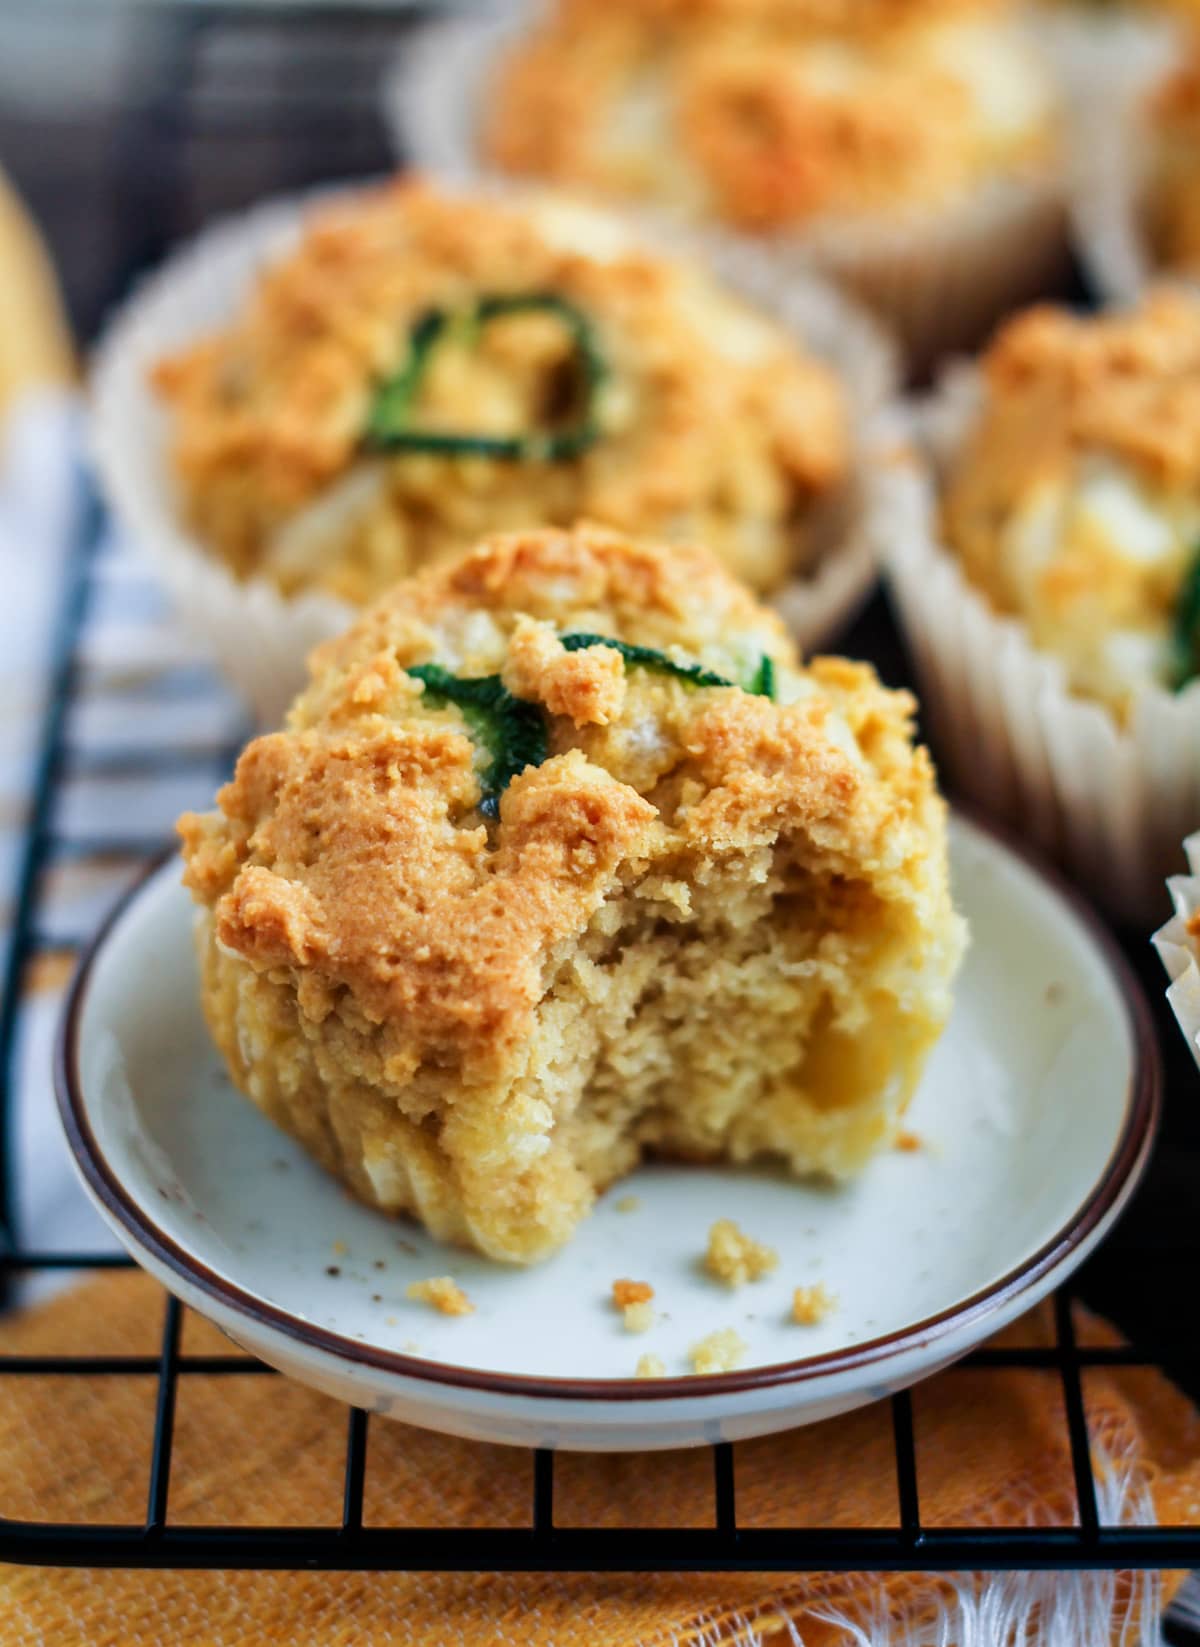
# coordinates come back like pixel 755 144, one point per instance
pixel 97 679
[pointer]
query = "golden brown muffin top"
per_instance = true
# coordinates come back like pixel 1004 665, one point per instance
pixel 350 849
pixel 1074 502
pixel 839 17
pixel 771 112
pixel 1124 384
pixel 702 397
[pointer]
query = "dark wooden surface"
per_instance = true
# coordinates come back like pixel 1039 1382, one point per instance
pixel 128 125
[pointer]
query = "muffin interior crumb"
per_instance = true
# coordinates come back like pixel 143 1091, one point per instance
pixel 442 1293
pixel 812 1305
pixel 638 1317
pixel 650 1366
pixel 631 1292
pixel 722 1351
pixel 735 1257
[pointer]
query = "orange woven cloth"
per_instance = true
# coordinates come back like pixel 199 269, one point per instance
pixel 992 1449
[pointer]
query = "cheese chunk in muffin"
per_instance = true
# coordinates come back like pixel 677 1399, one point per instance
pixel 560 859
pixel 424 368
pixel 1075 503
pixel 770 115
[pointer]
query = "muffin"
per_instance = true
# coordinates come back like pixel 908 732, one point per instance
pixel 424 368
pixel 769 114
pixel 563 858
pixel 317 397
pixel 1053 592
pixel 886 139
pixel 1074 503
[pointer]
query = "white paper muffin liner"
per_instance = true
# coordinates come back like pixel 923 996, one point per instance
pixel 259 637
pixel 1108 66
pixel 1110 802
pixel 1179 951
pixel 938 279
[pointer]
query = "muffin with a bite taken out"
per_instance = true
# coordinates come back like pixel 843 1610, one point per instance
pixel 561 858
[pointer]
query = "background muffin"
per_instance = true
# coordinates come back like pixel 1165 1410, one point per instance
pixel 280 472
pixel 1049 581
pixel 897 147
pixel 768 114
pixel 480 946
pixel 424 368
pixel 1075 501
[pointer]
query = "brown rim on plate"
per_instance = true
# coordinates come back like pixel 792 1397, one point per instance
pixel 1109 1194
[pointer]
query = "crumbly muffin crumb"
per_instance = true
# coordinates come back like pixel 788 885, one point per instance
pixel 627 1203
pixel 722 1351
pixel 638 1317
pixel 442 1293
pixel 812 1305
pixel 631 1292
pixel 650 1366
pixel 908 1143
pixel 735 1257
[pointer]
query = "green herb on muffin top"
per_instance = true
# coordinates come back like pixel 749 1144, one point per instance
pixel 511 730
pixel 1185 627
pixel 648 657
pixel 390 426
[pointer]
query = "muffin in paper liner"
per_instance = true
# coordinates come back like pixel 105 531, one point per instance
pixel 1179 948
pixel 260 637
pixel 1110 802
pixel 1108 66
pixel 937 280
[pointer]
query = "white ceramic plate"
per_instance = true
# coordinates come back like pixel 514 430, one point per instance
pixel 1035 1117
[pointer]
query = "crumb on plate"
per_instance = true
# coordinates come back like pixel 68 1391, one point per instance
pixel 628 1203
pixel 734 1257
pixel 631 1292
pixel 650 1366
pixel 340 1249
pixel 909 1142
pixel 811 1305
pixel 443 1293
pixel 638 1317
pixel 720 1352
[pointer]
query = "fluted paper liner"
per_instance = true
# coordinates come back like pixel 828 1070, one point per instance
pixel 1112 802
pixel 1109 66
pixel 937 279
pixel 260 637
pixel 1179 949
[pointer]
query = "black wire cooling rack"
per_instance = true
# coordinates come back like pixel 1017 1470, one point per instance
pixel 1144 1278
